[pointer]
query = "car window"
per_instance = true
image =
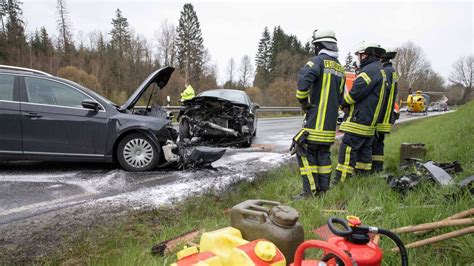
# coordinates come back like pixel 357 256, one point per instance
pixel 6 87
pixel 53 93
pixel 233 96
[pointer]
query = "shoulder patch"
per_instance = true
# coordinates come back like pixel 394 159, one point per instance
pixel 310 64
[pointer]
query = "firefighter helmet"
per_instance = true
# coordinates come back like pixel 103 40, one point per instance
pixel 389 54
pixel 371 48
pixel 327 38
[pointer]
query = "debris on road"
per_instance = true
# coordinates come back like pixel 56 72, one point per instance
pixel 415 171
pixel 467 184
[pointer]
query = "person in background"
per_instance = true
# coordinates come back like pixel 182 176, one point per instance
pixel 188 93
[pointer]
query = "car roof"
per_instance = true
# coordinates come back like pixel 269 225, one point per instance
pixel 22 70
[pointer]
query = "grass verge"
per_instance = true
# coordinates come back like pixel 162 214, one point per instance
pixel 449 137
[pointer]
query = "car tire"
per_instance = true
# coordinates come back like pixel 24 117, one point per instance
pixel 137 153
pixel 247 142
pixel 184 129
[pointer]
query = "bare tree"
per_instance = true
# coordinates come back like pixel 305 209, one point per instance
pixel 411 63
pixel 231 71
pixel 246 71
pixel 463 72
pixel 64 26
pixel 165 39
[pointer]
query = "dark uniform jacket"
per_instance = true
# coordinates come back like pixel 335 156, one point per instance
pixel 365 99
pixel 385 119
pixel 321 83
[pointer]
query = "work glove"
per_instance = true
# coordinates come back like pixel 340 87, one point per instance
pixel 306 106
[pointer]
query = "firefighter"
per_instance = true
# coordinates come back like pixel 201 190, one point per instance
pixel 386 118
pixel 365 101
pixel 320 89
pixel 188 93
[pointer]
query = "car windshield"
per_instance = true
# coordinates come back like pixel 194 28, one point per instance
pixel 234 96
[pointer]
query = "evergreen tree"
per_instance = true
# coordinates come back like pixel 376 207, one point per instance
pixel 190 47
pixel 14 45
pixel 120 33
pixel 263 60
pixel 120 53
pixel 349 61
pixel 64 27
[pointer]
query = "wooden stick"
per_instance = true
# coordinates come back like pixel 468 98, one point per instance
pixel 434 225
pixel 461 232
pixel 171 244
pixel 452 217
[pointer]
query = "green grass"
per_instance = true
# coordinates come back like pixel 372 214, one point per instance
pixel 449 137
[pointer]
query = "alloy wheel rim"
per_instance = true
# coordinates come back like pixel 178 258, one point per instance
pixel 138 153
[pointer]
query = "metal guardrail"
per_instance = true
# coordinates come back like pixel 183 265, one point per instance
pixel 261 109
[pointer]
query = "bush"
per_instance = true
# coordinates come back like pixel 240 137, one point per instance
pixel 80 76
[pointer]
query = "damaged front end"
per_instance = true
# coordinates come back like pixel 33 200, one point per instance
pixel 216 121
pixel 182 156
pixel 155 122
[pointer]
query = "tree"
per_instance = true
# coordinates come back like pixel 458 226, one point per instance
pixel 349 61
pixel 120 33
pixel 462 74
pixel 246 71
pixel 231 74
pixel 263 60
pixel 14 45
pixel 166 44
pixel 3 13
pixel 64 27
pixel 411 63
pixel 190 45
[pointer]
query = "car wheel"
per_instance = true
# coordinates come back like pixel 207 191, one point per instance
pixel 184 129
pixel 137 153
pixel 247 142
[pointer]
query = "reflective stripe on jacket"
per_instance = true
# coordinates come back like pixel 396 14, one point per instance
pixel 321 83
pixel 365 99
pixel 391 92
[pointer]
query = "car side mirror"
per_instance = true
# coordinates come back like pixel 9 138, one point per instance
pixel 257 106
pixel 90 104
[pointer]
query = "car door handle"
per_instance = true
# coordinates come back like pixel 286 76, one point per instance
pixel 32 115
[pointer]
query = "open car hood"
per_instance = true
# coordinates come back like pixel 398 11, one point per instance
pixel 200 99
pixel 160 77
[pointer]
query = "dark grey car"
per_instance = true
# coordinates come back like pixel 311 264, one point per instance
pixel 43 117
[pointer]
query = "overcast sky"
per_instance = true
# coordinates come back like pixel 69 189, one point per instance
pixel 232 28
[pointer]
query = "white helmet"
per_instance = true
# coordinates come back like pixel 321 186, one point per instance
pixel 324 36
pixel 389 53
pixel 370 48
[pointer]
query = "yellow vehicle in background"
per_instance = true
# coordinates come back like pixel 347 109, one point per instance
pixel 417 103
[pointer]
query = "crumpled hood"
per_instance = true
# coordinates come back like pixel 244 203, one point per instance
pixel 204 99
